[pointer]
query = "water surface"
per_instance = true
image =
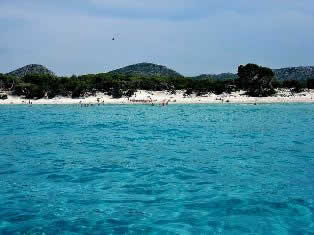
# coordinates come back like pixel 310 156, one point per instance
pixel 181 169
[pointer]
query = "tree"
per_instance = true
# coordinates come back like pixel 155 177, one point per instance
pixel 256 80
pixel 1 81
pixel 310 83
pixel 79 90
pixel 188 91
pixel 3 96
pixel 294 85
pixel 129 93
pixel 117 93
pixel 8 82
pixel 29 90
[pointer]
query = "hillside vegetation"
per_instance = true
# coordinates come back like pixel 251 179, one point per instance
pixel 294 73
pixel 147 70
pixel 31 69
pixel 39 82
pixel 284 74
pixel 222 76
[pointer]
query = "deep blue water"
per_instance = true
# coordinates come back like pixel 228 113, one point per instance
pixel 181 169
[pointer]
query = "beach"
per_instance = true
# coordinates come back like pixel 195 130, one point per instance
pixel 164 98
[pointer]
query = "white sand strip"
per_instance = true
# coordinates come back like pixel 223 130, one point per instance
pixel 163 97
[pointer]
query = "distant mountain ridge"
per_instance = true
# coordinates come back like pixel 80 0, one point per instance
pixel 147 70
pixel 30 69
pixel 300 73
pixel 221 76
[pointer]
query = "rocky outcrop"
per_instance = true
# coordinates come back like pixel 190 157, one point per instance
pixel 30 69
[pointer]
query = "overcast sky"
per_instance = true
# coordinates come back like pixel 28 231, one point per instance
pixel 190 36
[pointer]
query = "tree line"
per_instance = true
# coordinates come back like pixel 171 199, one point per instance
pixel 256 80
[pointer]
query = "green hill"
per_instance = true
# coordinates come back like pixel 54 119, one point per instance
pixel 30 69
pixel 222 76
pixel 294 73
pixel 283 74
pixel 147 70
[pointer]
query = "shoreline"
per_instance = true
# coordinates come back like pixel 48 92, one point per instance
pixel 165 98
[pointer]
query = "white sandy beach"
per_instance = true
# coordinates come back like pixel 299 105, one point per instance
pixel 163 97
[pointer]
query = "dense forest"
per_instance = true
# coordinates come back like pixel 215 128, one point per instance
pixel 255 80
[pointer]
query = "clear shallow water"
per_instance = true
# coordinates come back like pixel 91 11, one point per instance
pixel 181 169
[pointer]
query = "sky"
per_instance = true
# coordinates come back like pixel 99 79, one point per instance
pixel 190 36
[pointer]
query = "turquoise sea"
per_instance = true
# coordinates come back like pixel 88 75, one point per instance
pixel 136 169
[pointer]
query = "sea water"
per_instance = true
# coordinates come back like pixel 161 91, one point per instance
pixel 138 169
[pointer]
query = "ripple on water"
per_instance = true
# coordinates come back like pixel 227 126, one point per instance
pixel 235 169
pixel 60 178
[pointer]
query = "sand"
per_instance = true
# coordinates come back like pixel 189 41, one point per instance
pixel 163 97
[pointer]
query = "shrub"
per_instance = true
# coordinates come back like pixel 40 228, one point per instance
pixel 3 96
pixel 189 91
pixel 294 85
pixel 310 83
pixel 29 90
pixel 78 92
pixel 129 93
pixel 276 84
pixel 116 93
pixel 8 82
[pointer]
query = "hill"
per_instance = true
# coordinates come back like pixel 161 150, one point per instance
pixel 289 73
pixel 31 69
pixel 294 73
pixel 222 76
pixel 153 70
pixel 147 70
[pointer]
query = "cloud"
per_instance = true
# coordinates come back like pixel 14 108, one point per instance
pixel 145 4
pixel 199 8
pixel 76 38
